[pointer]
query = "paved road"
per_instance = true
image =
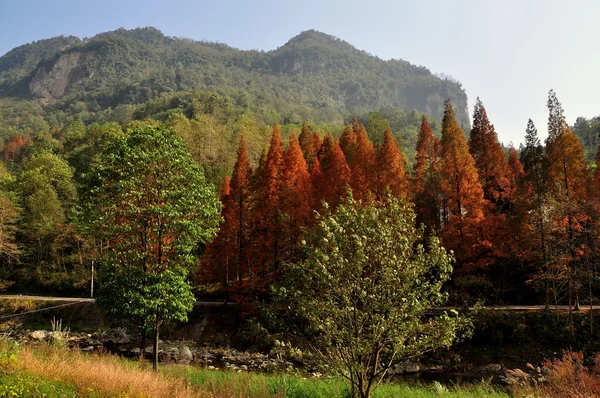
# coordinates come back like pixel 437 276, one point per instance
pixel 219 303
pixel 90 300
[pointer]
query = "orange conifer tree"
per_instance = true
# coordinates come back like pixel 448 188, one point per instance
pixel 391 169
pixel 463 203
pixel 317 143
pixel 217 261
pixel 568 182
pixel 362 164
pixel 240 209
pixel 490 160
pixel 307 143
pixel 516 168
pixel 296 195
pixel 336 173
pixel 348 139
pixel 317 181
pixel 266 216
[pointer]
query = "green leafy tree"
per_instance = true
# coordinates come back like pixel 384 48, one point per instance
pixel 9 249
pixel 364 287
pixel 47 192
pixel 152 205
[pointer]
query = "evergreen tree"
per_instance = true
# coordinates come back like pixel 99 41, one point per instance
pixel 556 117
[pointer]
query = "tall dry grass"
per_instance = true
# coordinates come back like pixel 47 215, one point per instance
pixel 102 374
pixel 568 377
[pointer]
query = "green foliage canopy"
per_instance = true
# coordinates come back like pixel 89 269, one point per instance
pixel 152 204
pixel 364 288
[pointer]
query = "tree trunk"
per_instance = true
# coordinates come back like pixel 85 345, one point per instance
pixel 155 351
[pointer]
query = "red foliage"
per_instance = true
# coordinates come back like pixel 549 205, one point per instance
pixel 391 169
pixel 362 162
pixel 462 195
pixel 296 195
pixel 490 160
pixel 516 169
pixel 336 173
pixel 14 149
pixel 307 144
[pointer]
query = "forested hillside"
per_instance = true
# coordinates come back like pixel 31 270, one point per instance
pixel 505 221
pixel 314 77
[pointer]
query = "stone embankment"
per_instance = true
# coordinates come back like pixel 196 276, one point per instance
pixel 282 358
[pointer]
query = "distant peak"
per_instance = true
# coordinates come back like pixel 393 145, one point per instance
pixel 148 34
pixel 312 37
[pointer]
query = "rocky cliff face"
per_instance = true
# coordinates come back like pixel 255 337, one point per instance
pixel 52 81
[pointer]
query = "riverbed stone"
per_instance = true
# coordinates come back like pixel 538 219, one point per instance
pixel 185 354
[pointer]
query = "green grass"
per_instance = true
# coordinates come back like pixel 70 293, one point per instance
pixel 291 386
pixel 51 371
pixel 21 385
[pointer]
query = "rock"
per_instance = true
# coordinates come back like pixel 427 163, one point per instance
pixel 52 81
pixel 405 367
pixel 244 367
pixel 185 354
pixel 39 334
pixel 114 336
pixel 492 368
pixel 92 342
pixel 88 348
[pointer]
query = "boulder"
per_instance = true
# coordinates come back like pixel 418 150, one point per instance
pixel 185 354
pixel 114 336
pixel 492 368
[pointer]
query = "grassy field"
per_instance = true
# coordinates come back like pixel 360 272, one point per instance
pixel 55 372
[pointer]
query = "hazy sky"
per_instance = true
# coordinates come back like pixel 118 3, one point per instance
pixel 507 52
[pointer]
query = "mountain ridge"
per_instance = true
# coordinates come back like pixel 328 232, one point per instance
pixel 312 69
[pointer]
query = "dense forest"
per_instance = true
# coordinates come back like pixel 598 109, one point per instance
pixel 521 226
pixel 332 197
pixel 521 223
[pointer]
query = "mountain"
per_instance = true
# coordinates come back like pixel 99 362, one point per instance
pixel 313 76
